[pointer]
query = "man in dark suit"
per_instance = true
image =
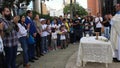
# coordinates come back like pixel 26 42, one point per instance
pixel 32 31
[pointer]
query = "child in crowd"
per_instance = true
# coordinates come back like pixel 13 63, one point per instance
pixel 54 39
pixel 63 37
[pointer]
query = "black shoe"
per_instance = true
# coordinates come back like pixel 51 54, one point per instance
pixel 38 55
pixel 41 55
pixel 34 58
pixel 31 60
pixel 115 60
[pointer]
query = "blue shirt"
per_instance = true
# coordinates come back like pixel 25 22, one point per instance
pixel 118 12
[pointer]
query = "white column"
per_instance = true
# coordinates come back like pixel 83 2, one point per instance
pixel 37 5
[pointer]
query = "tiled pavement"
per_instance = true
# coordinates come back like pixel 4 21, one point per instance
pixel 55 59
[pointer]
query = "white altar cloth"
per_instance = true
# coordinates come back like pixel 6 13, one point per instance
pixel 92 50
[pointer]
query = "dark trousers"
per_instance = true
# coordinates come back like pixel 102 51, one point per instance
pixel 10 56
pixel 63 44
pixel 49 40
pixel 58 40
pixel 1 60
pixel 31 51
pixel 24 45
pixel 71 37
pixel 38 45
pixel 78 34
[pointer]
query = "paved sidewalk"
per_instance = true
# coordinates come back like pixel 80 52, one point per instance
pixel 55 59
pixel 66 58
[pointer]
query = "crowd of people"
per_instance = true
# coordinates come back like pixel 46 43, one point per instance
pixel 38 36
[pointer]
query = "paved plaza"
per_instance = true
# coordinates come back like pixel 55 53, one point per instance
pixel 66 58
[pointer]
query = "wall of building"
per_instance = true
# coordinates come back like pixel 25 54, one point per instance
pixel 93 6
pixel 68 2
pixel 44 9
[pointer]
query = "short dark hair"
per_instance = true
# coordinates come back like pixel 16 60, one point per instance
pixel 3 9
pixel 28 11
pixel 64 19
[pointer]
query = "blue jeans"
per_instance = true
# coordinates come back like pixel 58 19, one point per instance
pixel 10 56
pixel 24 45
pixel 90 32
pixel 107 32
pixel 44 44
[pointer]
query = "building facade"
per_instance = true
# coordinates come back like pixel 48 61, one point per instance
pixel 93 6
pixel 66 2
pixel 102 6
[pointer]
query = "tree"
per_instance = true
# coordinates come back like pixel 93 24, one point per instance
pixel 10 3
pixel 76 9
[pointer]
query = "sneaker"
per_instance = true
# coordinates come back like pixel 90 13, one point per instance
pixel 41 55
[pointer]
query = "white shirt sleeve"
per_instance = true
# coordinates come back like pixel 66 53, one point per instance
pixel 1 45
pixel 22 30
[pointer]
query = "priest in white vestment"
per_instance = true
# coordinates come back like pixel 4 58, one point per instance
pixel 115 33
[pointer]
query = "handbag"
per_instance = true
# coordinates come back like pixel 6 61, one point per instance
pixel 31 40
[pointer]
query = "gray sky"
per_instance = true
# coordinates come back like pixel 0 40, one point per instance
pixel 58 4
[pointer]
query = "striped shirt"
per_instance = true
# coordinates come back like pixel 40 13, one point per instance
pixel 10 34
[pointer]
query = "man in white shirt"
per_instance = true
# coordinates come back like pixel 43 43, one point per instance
pixel 98 22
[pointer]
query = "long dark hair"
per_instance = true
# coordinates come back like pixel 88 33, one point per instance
pixel 23 24
pixel 47 21
pixel 56 20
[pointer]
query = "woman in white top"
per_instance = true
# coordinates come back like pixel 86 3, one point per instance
pixel 98 22
pixel 22 35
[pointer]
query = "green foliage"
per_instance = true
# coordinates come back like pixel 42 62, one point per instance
pixel 79 9
pixel 9 3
